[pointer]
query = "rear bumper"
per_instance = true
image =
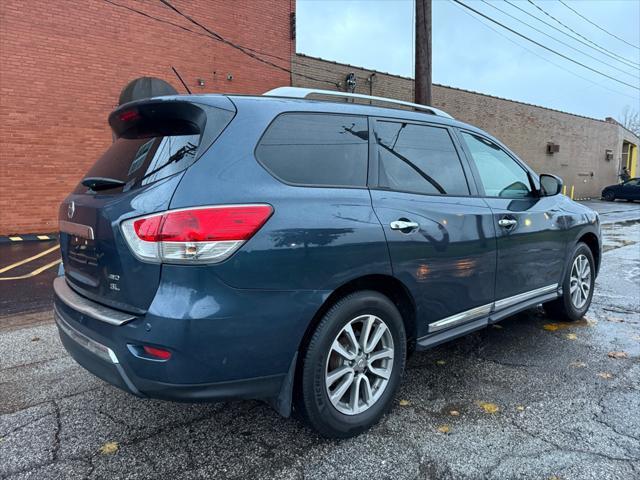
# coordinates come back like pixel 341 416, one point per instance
pixel 111 371
pixel 214 357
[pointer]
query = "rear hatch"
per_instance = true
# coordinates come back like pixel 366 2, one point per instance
pixel 155 141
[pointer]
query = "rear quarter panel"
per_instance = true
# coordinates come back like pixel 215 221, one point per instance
pixel 317 238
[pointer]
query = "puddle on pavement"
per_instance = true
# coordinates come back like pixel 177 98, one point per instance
pixel 620 244
pixel 619 235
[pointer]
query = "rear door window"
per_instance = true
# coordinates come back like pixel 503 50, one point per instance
pixel 418 159
pixel 312 149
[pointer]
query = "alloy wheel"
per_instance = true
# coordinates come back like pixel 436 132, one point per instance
pixel 580 281
pixel 359 364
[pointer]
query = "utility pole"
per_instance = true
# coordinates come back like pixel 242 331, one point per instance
pixel 423 52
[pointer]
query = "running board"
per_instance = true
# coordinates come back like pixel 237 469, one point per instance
pixel 477 318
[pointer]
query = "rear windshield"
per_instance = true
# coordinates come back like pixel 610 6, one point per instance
pixel 147 158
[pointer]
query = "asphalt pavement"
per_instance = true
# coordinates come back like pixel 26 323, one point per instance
pixel 528 398
pixel 22 290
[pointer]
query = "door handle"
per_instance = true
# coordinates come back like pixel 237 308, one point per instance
pixel 403 225
pixel 507 222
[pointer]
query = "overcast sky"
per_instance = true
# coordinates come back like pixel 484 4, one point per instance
pixel 468 54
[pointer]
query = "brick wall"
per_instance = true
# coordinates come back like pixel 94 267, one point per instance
pixel 525 128
pixel 63 64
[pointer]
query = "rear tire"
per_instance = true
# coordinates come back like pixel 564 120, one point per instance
pixel 577 287
pixel 609 196
pixel 359 341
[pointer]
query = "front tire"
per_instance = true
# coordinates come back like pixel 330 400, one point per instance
pixel 352 366
pixel 577 287
pixel 609 196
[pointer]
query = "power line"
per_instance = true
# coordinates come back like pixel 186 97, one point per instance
pixel 247 51
pixel 168 22
pixel 220 38
pixel 544 46
pixel 625 62
pixel 206 35
pixel 559 41
pixel 598 26
pixel 578 34
pixel 546 59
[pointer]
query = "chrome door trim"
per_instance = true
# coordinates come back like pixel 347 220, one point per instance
pixel 88 307
pixel 461 317
pixel 483 310
pixel 521 297
pixel 76 229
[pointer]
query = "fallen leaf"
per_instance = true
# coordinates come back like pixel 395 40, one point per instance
pixel 109 448
pixel 605 375
pixel 35 339
pixel 404 403
pixel 571 336
pixel 583 322
pixel 615 319
pixel 577 364
pixel 444 429
pixel 489 407
pixel 554 477
pixel 454 413
pixel 440 362
pixel 618 355
pixel 520 408
pixel 499 327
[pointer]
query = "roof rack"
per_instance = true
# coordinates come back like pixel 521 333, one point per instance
pixel 297 92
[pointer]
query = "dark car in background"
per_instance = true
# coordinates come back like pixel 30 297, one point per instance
pixel 296 251
pixel 629 190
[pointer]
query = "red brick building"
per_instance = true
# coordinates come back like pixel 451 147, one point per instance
pixel 64 63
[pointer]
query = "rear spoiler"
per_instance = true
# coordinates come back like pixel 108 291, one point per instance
pixel 165 116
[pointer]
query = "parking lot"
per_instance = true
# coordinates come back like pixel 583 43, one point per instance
pixel 530 397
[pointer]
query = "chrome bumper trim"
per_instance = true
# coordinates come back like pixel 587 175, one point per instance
pixel 507 302
pixel 76 229
pixel 81 339
pixel 88 307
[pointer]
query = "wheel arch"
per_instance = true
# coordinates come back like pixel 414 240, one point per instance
pixel 387 285
pixel 591 240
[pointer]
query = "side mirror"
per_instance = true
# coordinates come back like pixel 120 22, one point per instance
pixel 550 184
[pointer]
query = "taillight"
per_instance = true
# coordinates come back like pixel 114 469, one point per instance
pixel 199 235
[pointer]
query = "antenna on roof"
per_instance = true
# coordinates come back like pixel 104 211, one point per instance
pixel 181 81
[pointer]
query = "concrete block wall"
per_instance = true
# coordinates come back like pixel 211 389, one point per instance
pixel 524 128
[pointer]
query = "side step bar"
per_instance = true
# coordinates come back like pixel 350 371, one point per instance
pixel 480 317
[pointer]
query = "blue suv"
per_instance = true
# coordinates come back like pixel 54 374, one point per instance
pixel 296 251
